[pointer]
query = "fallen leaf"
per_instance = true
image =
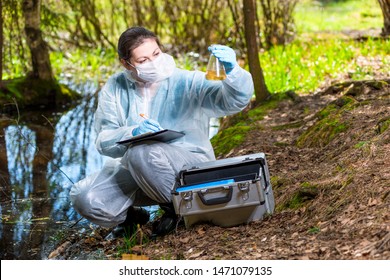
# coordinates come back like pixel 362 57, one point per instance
pixel 90 240
pixel 372 202
pixel 184 240
pixel 195 255
pixel 136 249
pixel 134 257
pixel 59 250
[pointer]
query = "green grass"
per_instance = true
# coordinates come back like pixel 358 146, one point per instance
pixel 84 65
pixel 304 65
pixel 132 240
pixel 312 16
pixel 314 230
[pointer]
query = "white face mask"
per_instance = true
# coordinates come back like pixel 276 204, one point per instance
pixel 156 70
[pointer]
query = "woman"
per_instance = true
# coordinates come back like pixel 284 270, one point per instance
pixel 171 98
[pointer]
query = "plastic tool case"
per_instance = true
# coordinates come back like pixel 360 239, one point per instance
pixel 225 192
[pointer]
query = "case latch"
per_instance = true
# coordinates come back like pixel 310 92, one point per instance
pixel 187 198
pixel 244 189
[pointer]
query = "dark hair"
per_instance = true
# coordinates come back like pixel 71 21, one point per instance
pixel 133 38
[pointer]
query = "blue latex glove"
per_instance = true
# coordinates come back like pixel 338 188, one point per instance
pixel 147 125
pixel 226 55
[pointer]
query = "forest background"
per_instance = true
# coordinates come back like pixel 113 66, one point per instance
pixel 76 35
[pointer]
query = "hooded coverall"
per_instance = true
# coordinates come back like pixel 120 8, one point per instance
pixel 145 174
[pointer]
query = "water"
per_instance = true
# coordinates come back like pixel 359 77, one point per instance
pixel 41 155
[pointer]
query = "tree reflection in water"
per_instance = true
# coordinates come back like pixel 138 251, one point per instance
pixel 41 154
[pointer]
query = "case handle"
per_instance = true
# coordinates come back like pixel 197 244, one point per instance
pixel 216 200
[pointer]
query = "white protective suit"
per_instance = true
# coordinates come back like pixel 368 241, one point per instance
pixel 145 174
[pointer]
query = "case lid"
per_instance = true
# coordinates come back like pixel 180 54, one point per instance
pixel 237 168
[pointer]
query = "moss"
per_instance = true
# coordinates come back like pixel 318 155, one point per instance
pixel 329 123
pixel 290 125
pixel 361 144
pixel 328 110
pixel 321 133
pixel 307 185
pixel 258 113
pixel 235 128
pixel 382 125
pixel 376 84
pixel 295 202
pixel 278 182
pixel 345 102
pixel 30 92
pixel 12 88
pixel 300 197
pixel 228 139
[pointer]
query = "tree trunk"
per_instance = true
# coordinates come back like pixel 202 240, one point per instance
pixel 41 184
pixel 385 6
pixel 261 90
pixel 5 184
pixel 38 47
pixel 1 41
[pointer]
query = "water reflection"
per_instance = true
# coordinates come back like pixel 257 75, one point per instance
pixel 41 154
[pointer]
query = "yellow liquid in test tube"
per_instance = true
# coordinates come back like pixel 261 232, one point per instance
pixel 215 70
pixel 215 76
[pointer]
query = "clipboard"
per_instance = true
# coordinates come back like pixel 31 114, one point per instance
pixel 164 135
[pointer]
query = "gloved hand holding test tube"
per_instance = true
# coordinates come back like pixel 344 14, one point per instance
pixel 147 125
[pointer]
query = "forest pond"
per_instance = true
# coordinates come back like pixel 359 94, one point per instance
pixel 42 153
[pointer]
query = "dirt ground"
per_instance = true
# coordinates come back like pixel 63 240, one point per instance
pixel 328 155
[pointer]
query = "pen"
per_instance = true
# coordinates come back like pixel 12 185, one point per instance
pixel 146 117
